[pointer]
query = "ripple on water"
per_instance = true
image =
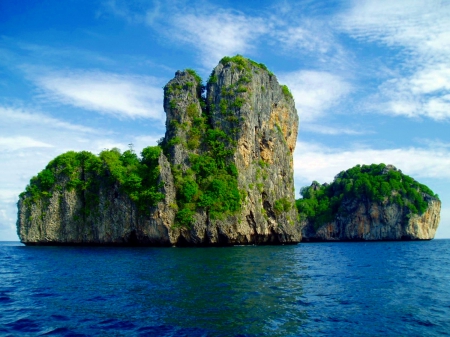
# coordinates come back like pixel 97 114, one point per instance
pixel 5 299
pixel 315 289
pixel 115 325
pixel 170 331
pixel 23 325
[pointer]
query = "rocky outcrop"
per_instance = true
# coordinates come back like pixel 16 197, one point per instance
pixel 246 127
pixel 66 218
pixel 365 220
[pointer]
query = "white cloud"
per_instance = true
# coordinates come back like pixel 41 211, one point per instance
pixel 408 23
pixel 315 92
pixel 425 93
pixel 418 33
pixel 310 37
pixel 218 34
pixel 328 130
pixel 20 142
pixel 118 95
pixel 139 142
pixel 427 81
pixel 443 231
pixel 321 163
pixel 15 116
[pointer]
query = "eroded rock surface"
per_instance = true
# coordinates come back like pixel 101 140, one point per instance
pixel 258 127
pixel 373 222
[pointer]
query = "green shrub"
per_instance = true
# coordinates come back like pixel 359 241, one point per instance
pixel 321 203
pixel 286 92
pixel 282 205
pixel 84 172
pixel 192 111
pixel 244 63
pixel 174 141
pixel 198 79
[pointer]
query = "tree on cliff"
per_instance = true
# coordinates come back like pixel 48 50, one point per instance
pixel 378 183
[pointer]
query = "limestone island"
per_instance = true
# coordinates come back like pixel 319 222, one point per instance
pixel 369 203
pixel 222 175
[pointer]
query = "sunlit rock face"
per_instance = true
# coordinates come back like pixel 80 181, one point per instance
pixel 226 173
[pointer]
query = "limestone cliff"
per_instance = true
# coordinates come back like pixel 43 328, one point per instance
pixel 225 175
pixel 371 221
pixel 69 216
pixel 370 217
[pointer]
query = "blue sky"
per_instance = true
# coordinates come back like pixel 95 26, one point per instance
pixel 371 80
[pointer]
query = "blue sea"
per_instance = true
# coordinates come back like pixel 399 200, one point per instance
pixel 314 289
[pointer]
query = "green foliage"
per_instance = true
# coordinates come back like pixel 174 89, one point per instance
pixel 184 217
pixel 244 63
pixel 211 183
pixel 238 103
pixel 212 78
pixel 84 172
pixel 262 164
pixel 192 111
pixel 46 179
pixel 241 89
pixel 198 79
pixel 376 183
pixel 282 205
pixel 200 87
pixel 174 141
pixel 286 92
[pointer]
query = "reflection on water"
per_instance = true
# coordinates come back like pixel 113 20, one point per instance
pixel 246 289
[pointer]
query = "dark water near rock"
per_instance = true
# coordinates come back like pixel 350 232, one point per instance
pixel 372 289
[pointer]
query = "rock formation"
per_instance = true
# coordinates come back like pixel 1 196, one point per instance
pixel 388 218
pixel 369 221
pixel 224 175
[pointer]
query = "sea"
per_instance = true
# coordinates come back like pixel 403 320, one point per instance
pixel 310 289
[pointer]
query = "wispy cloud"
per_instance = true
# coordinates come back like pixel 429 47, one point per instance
pixel 303 38
pixel 20 142
pixel 122 96
pixel 418 33
pixel 315 92
pixel 329 130
pixel 139 142
pixel 218 34
pixel 19 116
pixel 312 38
pixel 322 163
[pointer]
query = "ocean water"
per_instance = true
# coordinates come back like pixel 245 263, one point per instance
pixel 315 289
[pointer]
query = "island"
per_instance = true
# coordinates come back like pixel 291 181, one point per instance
pixel 222 175
pixel 369 203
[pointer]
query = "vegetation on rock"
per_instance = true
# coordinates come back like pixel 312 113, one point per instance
pixel 83 171
pixel 200 158
pixel 377 183
pixel 210 183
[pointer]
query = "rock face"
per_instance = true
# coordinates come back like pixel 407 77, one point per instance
pixel 370 221
pixel 65 218
pixel 244 131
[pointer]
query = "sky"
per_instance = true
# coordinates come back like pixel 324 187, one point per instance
pixel 370 78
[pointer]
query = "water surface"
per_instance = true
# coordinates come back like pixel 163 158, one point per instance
pixel 315 289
